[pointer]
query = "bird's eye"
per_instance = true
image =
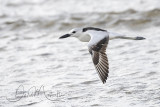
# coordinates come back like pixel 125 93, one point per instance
pixel 74 32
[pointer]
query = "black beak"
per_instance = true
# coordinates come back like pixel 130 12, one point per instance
pixel 65 36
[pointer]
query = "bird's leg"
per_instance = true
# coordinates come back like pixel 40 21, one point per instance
pixel 131 38
pixel 121 36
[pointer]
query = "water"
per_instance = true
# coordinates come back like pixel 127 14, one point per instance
pixel 32 56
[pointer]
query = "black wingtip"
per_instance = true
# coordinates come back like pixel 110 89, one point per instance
pixel 104 82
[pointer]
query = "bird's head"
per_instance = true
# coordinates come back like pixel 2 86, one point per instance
pixel 76 32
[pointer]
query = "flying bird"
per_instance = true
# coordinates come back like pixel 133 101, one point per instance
pixel 97 43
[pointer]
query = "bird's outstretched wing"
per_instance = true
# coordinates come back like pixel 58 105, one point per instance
pixel 100 59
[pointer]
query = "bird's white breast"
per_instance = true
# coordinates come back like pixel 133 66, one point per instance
pixel 84 38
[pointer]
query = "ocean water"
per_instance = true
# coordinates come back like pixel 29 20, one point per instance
pixel 39 70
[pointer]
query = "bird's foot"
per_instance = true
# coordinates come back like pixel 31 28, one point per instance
pixel 139 38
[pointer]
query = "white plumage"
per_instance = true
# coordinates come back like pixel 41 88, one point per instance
pixel 97 43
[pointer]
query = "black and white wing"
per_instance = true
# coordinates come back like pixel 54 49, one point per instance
pixel 100 59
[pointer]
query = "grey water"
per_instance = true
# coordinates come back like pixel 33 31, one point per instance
pixel 39 70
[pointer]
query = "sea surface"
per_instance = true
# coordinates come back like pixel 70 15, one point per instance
pixel 39 70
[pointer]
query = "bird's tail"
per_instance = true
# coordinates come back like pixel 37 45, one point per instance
pixel 121 36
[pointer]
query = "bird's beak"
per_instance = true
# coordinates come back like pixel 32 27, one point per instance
pixel 65 36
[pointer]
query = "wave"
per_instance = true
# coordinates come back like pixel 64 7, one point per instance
pixel 129 18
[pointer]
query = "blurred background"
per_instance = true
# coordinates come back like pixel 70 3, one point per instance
pixel 32 55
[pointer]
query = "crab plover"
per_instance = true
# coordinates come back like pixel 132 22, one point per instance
pixel 97 43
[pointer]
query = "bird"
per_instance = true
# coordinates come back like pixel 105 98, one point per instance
pixel 98 40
